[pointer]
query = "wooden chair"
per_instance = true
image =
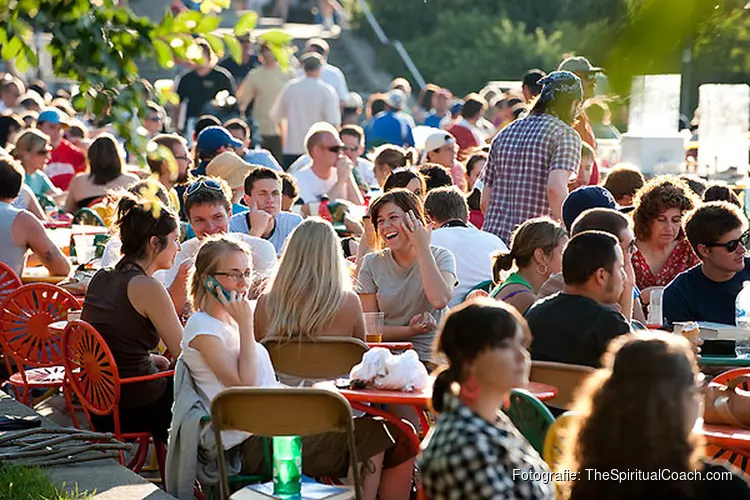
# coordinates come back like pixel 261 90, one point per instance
pixel 92 375
pixel 530 416
pixel 738 458
pixel 567 378
pixel 25 337
pixel 324 358
pixel 286 412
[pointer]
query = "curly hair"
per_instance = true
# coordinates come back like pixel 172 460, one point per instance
pixel 622 414
pixel 656 197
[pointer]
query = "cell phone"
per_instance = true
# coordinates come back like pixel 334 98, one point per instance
pixel 214 287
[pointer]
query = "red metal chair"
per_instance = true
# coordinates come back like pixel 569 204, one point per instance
pixel 25 337
pixel 92 375
pixel 738 458
pixel 9 281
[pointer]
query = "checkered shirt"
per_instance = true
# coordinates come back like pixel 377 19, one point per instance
pixel 465 457
pixel 521 158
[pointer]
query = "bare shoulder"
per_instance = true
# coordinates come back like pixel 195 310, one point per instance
pixel 146 285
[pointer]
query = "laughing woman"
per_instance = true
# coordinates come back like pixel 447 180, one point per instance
pixel 409 280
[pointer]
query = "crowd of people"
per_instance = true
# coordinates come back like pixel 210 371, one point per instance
pixel 318 207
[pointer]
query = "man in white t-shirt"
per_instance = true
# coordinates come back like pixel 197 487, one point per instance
pixel 447 209
pixel 302 103
pixel 208 208
pixel 330 74
pixel 330 174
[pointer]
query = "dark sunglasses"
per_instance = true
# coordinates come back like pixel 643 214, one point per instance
pixel 335 149
pixel 732 245
pixel 155 118
pixel 207 183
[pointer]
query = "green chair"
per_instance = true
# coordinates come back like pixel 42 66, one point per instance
pixel 530 417
pixel 485 285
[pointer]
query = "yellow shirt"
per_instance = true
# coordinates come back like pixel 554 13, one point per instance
pixel 263 85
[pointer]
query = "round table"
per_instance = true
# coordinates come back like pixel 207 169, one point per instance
pixel 392 346
pixel 726 436
pixel 39 274
pixel 733 361
pixel 419 400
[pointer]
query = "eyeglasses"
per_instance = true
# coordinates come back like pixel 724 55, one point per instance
pixel 732 245
pixel 154 118
pixel 335 149
pixel 631 247
pixel 236 275
pixel 207 183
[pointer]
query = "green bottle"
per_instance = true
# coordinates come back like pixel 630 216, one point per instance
pixel 287 465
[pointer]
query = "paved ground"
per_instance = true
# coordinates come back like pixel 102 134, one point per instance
pixel 109 479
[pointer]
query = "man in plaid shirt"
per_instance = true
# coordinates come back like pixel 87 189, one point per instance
pixel 532 159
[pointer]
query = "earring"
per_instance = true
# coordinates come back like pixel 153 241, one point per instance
pixel 470 390
pixel 542 269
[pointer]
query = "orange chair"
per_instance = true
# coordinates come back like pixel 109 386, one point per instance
pixel 91 373
pixel 25 337
pixel 738 458
pixel 9 281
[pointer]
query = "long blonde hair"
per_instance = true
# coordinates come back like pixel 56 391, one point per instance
pixel 310 283
pixel 29 141
pixel 212 250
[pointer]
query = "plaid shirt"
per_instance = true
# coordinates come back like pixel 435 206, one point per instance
pixel 522 156
pixel 465 457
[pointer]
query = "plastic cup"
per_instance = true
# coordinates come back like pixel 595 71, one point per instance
pixel 374 326
pixel 85 249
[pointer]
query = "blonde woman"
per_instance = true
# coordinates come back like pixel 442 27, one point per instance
pixel 220 350
pixel 311 294
pixel 33 150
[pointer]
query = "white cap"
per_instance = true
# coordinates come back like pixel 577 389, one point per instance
pixel 437 140
pixel 395 99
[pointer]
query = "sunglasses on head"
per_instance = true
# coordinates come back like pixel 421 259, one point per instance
pixel 732 245
pixel 207 183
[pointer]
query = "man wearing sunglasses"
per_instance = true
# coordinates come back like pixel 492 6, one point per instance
pixel 718 233
pixel 331 172
pixel 583 69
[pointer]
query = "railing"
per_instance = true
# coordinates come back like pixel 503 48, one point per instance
pixel 407 60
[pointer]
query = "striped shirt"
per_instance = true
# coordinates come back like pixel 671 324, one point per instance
pixel 521 157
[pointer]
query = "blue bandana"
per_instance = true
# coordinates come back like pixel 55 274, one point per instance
pixel 560 82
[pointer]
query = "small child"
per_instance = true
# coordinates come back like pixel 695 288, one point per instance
pixel 588 156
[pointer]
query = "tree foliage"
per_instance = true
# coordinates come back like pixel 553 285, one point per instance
pixel 98 45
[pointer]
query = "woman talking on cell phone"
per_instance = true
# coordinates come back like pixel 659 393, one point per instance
pixel 220 349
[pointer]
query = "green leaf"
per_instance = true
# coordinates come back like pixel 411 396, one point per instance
pixel 186 21
pixel 281 54
pixel 21 62
pixel 164 54
pixel 246 23
pixel 207 24
pixel 234 48
pixel 31 56
pixel 216 44
pixel 11 49
pixel 3 36
pixel 276 37
pixel 79 103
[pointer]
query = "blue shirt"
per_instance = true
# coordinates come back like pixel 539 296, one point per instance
pixel 433 120
pixel 284 224
pixel 389 127
pixel 262 157
pixel 39 183
pixel 691 296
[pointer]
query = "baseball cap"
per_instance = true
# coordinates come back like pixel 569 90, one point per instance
pixel 437 140
pixel 395 99
pixel 578 64
pixel 585 198
pixel 214 137
pixel 311 61
pixel 353 100
pixel 53 116
pixel 231 168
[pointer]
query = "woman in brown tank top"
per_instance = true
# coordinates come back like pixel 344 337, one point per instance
pixel 132 311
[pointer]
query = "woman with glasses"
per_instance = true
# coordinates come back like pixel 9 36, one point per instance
pixel 134 313
pixel 106 173
pixel 662 252
pixel 221 351
pixel 33 150
pixel 652 433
